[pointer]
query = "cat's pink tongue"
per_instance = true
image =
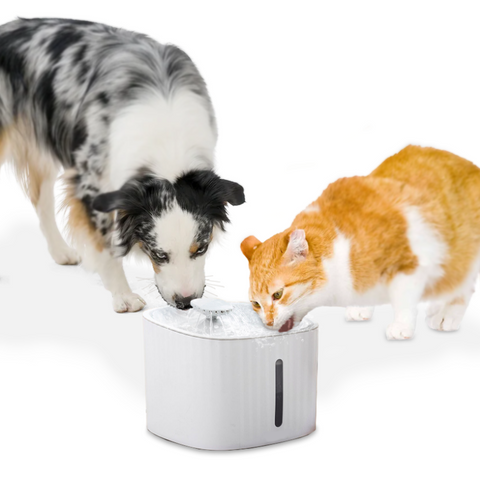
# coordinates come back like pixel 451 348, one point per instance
pixel 288 325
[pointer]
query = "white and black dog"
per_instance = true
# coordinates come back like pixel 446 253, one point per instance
pixel 132 124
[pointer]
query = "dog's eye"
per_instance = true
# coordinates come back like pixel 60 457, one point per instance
pixel 255 304
pixel 201 251
pixel 160 257
pixel 278 295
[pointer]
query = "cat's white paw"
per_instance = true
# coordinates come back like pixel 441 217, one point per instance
pixel 64 255
pixel 399 331
pixel 445 320
pixel 128 302
pixel 358 314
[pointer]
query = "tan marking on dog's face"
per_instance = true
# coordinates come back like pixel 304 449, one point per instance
pixel 156 268
pixel 194 248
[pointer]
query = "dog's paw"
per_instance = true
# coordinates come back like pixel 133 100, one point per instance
pixel 128 302
pixel 65 255
pixel 358 314
pixel 399 331
pixel 445 320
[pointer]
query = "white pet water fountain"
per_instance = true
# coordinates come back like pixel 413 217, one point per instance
pixel 217 379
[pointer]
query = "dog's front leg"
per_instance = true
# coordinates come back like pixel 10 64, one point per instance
pixel 95 250
pixel 113 277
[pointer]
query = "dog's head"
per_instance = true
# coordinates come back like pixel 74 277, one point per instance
pixel 172 223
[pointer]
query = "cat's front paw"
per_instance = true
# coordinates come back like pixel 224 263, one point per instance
pixel 128 302
pixel 358 314
pixel 399 331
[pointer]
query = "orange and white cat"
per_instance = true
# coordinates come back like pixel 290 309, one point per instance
pixel 408 232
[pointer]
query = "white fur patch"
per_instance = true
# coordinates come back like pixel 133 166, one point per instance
pixel 426 244
pixel 312 208
pixel 339 290
pixel 339 276
pixel 169 136
pixel 175 232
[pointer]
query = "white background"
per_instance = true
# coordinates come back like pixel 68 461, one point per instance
pixel 305 92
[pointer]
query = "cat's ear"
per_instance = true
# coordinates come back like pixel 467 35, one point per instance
pixel 249 245
pixel 297 249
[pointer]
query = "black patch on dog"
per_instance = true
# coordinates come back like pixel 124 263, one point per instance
pixel 12 60
pixel 79 136
pixel 62 40
pixel 80 55
pixel 45 95
pixel 199 192
pixel 107 202
pixel 204 194
pixel 46 100
pixel 103 98
pixel 93 150
pixel 87 201
pixel 82 72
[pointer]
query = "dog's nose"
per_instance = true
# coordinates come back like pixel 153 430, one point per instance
pixel 183 303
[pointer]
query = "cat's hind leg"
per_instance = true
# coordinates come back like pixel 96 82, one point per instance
pixel 447 316
pixel 358 314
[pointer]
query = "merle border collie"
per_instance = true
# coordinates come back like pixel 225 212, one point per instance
pixel 131 123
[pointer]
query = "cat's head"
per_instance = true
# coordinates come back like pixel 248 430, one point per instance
pixel 284 274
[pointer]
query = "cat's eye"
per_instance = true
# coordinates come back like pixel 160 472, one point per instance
pixel 255 304
pixel 278 295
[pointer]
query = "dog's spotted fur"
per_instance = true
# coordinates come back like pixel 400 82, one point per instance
pixel 70 92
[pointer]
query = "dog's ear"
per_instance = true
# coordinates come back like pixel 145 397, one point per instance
pixel 249 245
pixel 233 192
pixel 107 202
